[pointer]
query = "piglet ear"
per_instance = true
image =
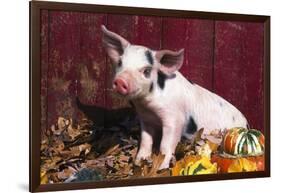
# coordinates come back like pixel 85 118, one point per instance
pixel 114 44
pixel 170 61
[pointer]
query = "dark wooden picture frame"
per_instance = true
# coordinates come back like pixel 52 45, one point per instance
pixel 35 92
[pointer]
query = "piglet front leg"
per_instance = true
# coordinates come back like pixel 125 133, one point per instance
pixel 171 137
pixel 145 148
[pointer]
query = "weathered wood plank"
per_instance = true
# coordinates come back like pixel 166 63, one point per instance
pixel 64 56
pixel 174 34
pixel 92 67
pixel 147 31
pixel 239 68
pixel 200 52
pixel 44 55
pixel 196 37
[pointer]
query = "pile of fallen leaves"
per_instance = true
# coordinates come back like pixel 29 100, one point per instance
pixel 79 152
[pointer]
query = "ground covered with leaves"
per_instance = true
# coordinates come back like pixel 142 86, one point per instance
pixel 79 152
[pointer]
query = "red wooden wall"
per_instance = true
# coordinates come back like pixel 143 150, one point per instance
pixel 224 57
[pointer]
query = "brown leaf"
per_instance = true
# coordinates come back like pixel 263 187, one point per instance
pixel 156 162
pixel 93 163
pixel 43 177
pixel 213 146
pixel 64 174
pixel 72 132
pixel 114 150
pixel 49 164
pixel 197 136
pixel 133 152
pixel 124 158
pixel 61 125
pixel 214 139
pixel 76 150
pixel 109 162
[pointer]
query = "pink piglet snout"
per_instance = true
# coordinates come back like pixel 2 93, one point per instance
pixel 121 86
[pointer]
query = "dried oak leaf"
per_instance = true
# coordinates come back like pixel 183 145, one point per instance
pixel 77 150
pixel 110 161
pixel 66 173
pixel 43 177
pixel 112 151
pixel 133 152
pixel 123 158
pixel 213 146
pixel 197 136
pixel 72 132
pixel 56 147
pixel 182 149
pixel 61 125
pixel 50 164
pixel 214 141
pixel 205 151
pixel 152 171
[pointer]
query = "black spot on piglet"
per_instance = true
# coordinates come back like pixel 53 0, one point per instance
pixel 191 126
pixel 161 79
pixel 148 56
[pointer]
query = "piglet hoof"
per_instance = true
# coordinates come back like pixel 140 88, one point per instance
pixel 138 162
pixel 173 161
pixel 167 163
pixel 141 161
pixel 164 171
pixel 163 166
pixel 149 160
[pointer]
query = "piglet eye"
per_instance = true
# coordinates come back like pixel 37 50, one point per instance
pixel 119 64
pixel 147 72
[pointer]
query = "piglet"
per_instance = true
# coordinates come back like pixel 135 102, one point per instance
pixel 166 102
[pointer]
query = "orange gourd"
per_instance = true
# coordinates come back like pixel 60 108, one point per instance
pixel 241 141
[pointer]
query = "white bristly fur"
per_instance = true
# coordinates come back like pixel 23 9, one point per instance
pixel 174 105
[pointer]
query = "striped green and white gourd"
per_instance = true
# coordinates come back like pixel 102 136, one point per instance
pixel 241 141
